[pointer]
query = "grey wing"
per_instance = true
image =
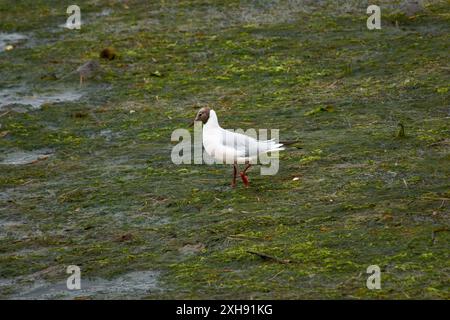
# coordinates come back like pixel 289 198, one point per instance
pixel 245 146
pixel 248 146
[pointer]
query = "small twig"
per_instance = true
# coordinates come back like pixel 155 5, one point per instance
pixel 27 182
pixel 437 198
pixel 333 84
pixel 242 238
pixel 404 182
pixel 63 196
pixel 407 295
pixel 4 113
pixel 267 257
pixel 440 142
pixel 273 277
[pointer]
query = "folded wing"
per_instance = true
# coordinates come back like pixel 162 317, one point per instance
pixel 246 146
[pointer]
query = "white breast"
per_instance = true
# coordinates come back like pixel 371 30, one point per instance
pixel 230 147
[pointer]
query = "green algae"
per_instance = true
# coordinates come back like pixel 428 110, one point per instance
pixel 364 196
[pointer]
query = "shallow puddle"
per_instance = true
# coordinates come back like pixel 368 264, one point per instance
pixel 25 157
pixel 13 96
pixel 131 285
pixel 7 39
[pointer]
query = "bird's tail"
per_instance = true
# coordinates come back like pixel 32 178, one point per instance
pixel 270 146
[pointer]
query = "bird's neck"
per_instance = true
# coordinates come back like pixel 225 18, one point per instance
pixel 212 122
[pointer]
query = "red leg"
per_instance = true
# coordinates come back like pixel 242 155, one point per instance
pixel 244 177
pixel 233 183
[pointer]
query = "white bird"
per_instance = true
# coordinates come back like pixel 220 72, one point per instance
pixel 231 147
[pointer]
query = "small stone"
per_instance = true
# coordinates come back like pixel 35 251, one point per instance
pixel 108 53
pixel 43 157
pixel 192 248
pixel 126 237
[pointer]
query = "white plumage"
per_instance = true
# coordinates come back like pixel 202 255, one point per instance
pixel 232 147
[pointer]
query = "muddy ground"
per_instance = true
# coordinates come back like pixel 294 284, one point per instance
pixel 86 177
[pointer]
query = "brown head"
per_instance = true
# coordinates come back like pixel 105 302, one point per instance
pixel 203 115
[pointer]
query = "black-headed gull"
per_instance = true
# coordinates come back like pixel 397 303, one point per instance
pixel 231 147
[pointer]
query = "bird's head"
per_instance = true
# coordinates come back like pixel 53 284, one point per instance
pixel 203 115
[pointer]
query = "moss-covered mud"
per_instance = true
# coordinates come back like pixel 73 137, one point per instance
pixel 109 199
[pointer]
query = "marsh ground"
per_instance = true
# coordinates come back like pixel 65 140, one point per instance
pixel 102 193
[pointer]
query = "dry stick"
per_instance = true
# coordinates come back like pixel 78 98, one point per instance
pixel 406 184
pixel 63 196
pixel 267 257
pixel 435 198
pixel 273 277
pixel 4 113
pixel 441 142
pixel 332 84
pixel 27 182
pixel 242 238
